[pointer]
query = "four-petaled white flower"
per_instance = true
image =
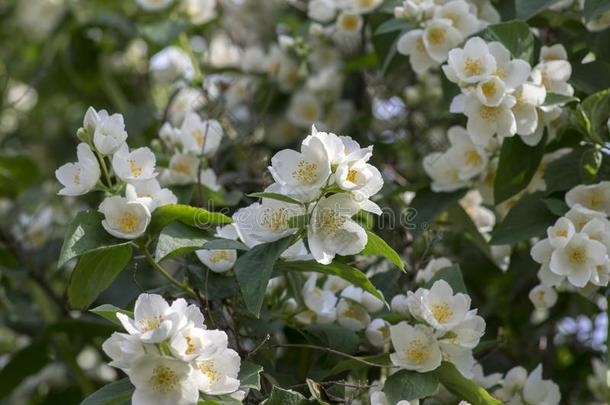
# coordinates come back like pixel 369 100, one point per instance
pixel 126 217
pixel 200 137
pixel 108 130
pixel 138 164
pixel 220 260
pixel 81 177
pixel 415 347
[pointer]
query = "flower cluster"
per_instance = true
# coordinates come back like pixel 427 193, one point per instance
pixel 518 388
pixel 578 245
pixel 104 145
pixel 170 356
pixel 442 327
pixel 442 28
pixel 198 11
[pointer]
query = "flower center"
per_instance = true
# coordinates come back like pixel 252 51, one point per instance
pixel 489 88
pixel 275 220
pixel 306 172
pixel 207 368
pixel 442 313
pixel 595 200
pixel 181 167
pixel 164 379
pixel 353 313
pixel 472 158
pixel 330 222
pixel 488 113
pixel 350 22
pixel 351 175
pixel 561 232
pixel 577 255
pixel 135 170
pixel 76 178
pixel 128 222
pixel 417 352
pixel 473 67
pixel 199 137
pixel 190 346
pixel 436 35
pixel 219 256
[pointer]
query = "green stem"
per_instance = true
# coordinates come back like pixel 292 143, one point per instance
pixel 463 387
pixel 182 286
pixel 186 45
pixel 100 157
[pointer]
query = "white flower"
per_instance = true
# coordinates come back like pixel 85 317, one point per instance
pixel 561 232
pixel 415 347
pixel 580 216
pixel 163 381
pixel 304 109
pixel 152 189
pixel 554 52
pixel 359 177
pixel 412 45
pixel 81 177
pixel 335 284
pixel 481 216
pixel 445 173
pixel 541 252
pixel 578 259
pixel 472 159
pixel 108 130
pixel 182 169
pixel 399 304
pixel 528 97
pixel 491 91
pixel 470 64
pixel 543 297
pixel 439 38
pixel 433 266
pixel 171 64
pixel 266 221
pixel 364 298
pixel 187 99
pixel 485 121
pixel 513 72
pixel 352 315
pixel 469 332
pixel 363 6
pixel 154 319
pixel 139 164
pixel 438 306
pixel 123 349
pixel 378 332
pixel 460 357
pixel 595 197
pixel 539 391
pixel 301 175
pixel 331 230
pixel 197 343
pixel 154 5
pixel 554 76
pixel 125 217
pixel 349 24
pixel 512 384
pixel 200 137
pixel 458 11
pixel 321 10
pixel 321 302
pixel 218 375
pixel 220 260
pixel 200 11
pixel 223 52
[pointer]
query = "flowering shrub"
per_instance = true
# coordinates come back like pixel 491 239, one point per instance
pixel 304 201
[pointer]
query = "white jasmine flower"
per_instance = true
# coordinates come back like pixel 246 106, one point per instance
pixel 491 91
pixel 445 173
pixel 223 52
pixel 470 64
pixel 595 197
pixel 459 356
pixel 541 252
pixel 200 137
pixel 412 44
pixel 539 391
pixel 580 216
pixel 163 381
pixel 469 332
pixel 378 332
pixel 349 23
pixel 220 260
pixel 139 164
pixel 482 217
pixel 123 349
pixel 200 11
pixel 578 259
pixel 439 38
pixel 458 11
pixel 193 342
pixel 152 189
pixel 438 306
pixel 485 121
pixel 364 298
pixel 472 159
pixel 125 217
pixel 364 6
pixel 433 266
pixel 561 232
pixel 554 76
pixel 171 64
pixel 331 230
pixel 543 297
pixel 415 347
pixel 321 302
pixel 322 10
pixel 304 109
pixel 352 315
pixel 399 304
pixel 81 177
pixel 108 130
pixel 182 169
pixel 218 375
pixel 512 384
pixel 513 72
pixel 335 284
pixel 528 97
pixel 554 52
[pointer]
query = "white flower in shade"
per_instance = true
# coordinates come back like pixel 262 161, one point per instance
pixel 415 347
pixel 412 44
pixel 200 137
pixel 152 189
pixel 108 130
pixel 339 149
pixel 200 11
pixel 139 164
pixel 352 315
pixel 513 72
pixel 512 384
pixel 543 297
pixel 123 349
pixel 415 9
pixel 459 12
pixel 220 260
pixel 486 381
pixel 378 332
pixel 439 38
pixel 301 175
pixel 470 64
pixel 322 10
pixel 468 333
pixel 554 52
pixel 485 121
pixel 81 177
pixel 363 6
pixel 445 173
pixel 349 24
pixel 580 216
pixel 595 197
pixel 541 252
pixel 154 319
pixel 578 259
pixel 439 307
pixel 335 284
pixel 254 60
pixel 599 230
pixel 433 266
pixel 304 109
pixel 193 342
pixel 218 375
pixel 459 356
pixel 601 275
pixel 472 159
pixel 171 64
pixel 332 230
pixel 378 397
pixel 528 97
pixel 482 217
pixel 296 252
pixel 321 302
pixel 266 221
pixel 554 76
pixel 163 381
pixel 182 169
pixel 400 305
pixel 491 91
pixel 125 217
pixel 187 99
pixel 361 178
pixel 561 232
pixel 154 5
pixel 364 298
pixel 539 391
pixel 599 381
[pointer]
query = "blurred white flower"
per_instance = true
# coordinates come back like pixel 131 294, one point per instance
pixel 81 177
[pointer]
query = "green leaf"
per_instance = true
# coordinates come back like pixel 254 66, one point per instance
pixel 27 361
pixel 554 99
pixel 515 36
pixel 426 206
pixel 393 25
pixel 118 392
pixel 224 244
pixel 192 216
pixel 109 312
pixel 376 246
pixel 250 375
pixel 214 286
pixel 517 165
pixel 253 270
pixel 463 225
pixel 348 273
pixel 453 276
pixel 298 221
pixel 463 388
pixel 564 173
pixel 556 206
pixel 335 337
pixel 84 234
pixel 529 8
pixel 16 174
pixel 382 360
pixel 595 8
pixel 94 272
pixel 529 218
pixel 178 239
pixel 591 162
pixel 597 109
pixel 409 385
pixel 280 396
pixel 276 196
pixel 591 77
